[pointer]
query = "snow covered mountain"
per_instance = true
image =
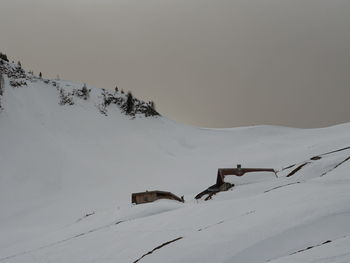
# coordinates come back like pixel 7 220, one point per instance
pixel 68 171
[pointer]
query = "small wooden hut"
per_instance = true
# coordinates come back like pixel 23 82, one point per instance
pixel 151 196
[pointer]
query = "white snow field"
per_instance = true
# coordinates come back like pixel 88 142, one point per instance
pixel 67 173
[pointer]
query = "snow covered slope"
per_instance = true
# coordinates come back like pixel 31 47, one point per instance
pixel 68 171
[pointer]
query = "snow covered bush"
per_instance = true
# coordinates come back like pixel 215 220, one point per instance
pixel 18 83
pixel 127 103
pixel 83 93
pixel 65 97
pixel 107 99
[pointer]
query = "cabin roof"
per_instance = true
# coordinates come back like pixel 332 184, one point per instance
pixel 153 191
pixel 239 171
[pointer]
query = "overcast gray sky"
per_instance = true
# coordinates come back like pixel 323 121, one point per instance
pixel 213 63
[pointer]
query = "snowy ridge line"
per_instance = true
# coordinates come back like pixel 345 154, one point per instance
pixel 310 247
pixel 225 220
pixel 156 248
pixel 75 236
pixel 277 187
pixel 69 92
pixel 342 149
pixel 84 217
pixel 347 159
pixel 297 169
pixel 61 241
pixel 312 159
pixel 204 228
pixel 78 235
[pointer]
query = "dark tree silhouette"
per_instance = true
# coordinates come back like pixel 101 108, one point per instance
pixel 129 103
pixel 4 57
pixel 152 105
pixel 1 88
pixel 85 92
pixel 40 75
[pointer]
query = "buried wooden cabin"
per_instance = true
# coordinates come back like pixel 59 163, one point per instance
pixel 221 185
pixel 151 196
